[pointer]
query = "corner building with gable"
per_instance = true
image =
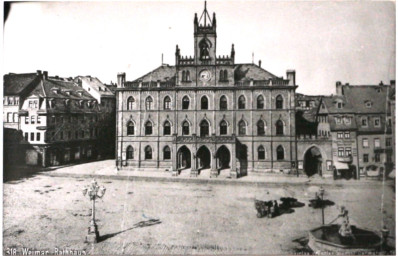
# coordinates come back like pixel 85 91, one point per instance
pixel 207 113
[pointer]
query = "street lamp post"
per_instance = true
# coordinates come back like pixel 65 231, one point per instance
pixel 93 191
pixel 321 193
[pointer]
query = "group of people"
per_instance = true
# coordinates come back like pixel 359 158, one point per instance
pixel 267 208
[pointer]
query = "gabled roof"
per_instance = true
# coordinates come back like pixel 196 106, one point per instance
pixel 15 84
pixel 97 85
pixel 330 103
pixel 48 85
pixel 377 95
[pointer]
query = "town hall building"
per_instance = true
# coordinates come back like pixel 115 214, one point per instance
pixel 207 112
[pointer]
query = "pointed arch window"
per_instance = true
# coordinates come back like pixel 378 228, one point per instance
pixel 223 103
pixel 225 75
pixel 204 128
pixel 148 128
pixel 280 153
pixel 185 128
pixel 279 102
pixel 149 103
pixel 167 103
pixel 279 127
pixel 260 128
pixel 187 76
pixel 148 152
pixel 204 50
pixel 260 102
pixel 242 127
pixel 183 76
pixel 130 128
pixel 221 75
pixel 261 153
pixel 185 102
pixel 166 153
pixel 223 127
pixel 204 103
pixel 130 153
pixel 242 102
pixel 166 128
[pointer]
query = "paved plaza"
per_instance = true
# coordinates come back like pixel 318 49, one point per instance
pixel 150 217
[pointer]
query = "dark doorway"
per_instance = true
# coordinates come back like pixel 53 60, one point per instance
pixel 183 158
pixel 223 158
pixel 204 128
pixel 313 162
pixel 204 157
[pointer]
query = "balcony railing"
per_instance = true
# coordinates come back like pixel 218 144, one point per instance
pixel 204 139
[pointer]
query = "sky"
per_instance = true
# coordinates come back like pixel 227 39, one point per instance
pixel 325 41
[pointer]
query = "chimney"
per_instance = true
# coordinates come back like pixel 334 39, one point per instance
pixel 392 82
pixel 381 83
pixel 339 88
pixel 291 76
pixel 259 63
pixel 121 78
pixel 45 75
pixel 38 72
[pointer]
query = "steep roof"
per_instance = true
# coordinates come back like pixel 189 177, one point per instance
pixel 97 85
pixel 245 72
pixel 162 73
pixel 330 103
pixel 358 96
pixel 14 84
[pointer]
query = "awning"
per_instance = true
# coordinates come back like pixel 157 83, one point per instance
pixel 341 166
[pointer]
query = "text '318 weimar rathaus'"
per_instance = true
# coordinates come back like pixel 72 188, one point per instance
pixel 207 112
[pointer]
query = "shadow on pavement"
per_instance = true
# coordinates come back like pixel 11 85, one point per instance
pixel 140 224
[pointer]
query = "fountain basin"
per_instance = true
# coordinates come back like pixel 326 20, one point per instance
pixel 326 239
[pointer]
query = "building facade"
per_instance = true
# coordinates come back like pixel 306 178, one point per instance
pixel 61 123
pixel 207 112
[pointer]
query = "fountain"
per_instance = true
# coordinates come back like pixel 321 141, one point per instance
pixel 345 238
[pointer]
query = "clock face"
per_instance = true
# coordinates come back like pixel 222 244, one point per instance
pixel 205 75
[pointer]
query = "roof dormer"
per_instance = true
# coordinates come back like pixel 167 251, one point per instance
pixel 55 90
pixel 368 104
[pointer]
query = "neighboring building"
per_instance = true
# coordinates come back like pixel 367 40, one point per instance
pixel 107 107
pixel 60 123
pixel 207 112
pixel 372 107
pixel 314 142
pixel 16 87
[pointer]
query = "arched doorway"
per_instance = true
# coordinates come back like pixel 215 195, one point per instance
pixel 223 158
pixel 183 158
pixel 313 161
pixel 204 157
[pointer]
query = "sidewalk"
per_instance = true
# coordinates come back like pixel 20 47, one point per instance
pixel 107 170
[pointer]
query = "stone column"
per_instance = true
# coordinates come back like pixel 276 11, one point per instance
pixel 175 159
pixel 233 172
pixel 213 171
pixel 194 169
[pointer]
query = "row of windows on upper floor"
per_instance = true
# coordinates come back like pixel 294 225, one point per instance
pixel 261 153
pixel 63 119
pixel 62 135
pixel 204 128
pixel 376 144
pixel 347 120
pixel 204 103
pixel 12 117
pixel 52 103
pixel 11 101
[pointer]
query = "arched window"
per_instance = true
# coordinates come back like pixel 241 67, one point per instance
pixel 280 153
pixel 130 103
pixel 223 103
pixel 188 77
pixel 260 127
pixel 204 50
pixel 204 103
pixel 130 153
pixel 223 127
pixel 166 128
pixel 225 75
pixel 148 128
pixel 279 102
pixel 204 128
pixel 242 127
pixel 279 127
pixel 148 152
pixel 167 102
pixel 261 153
pixel 130 128
pixel 184 76
pixel 221 75
pixel 148 103
pixel 241 102
pixel 185 102
pixel 185 128
pixel 166 153
pixel 260 102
